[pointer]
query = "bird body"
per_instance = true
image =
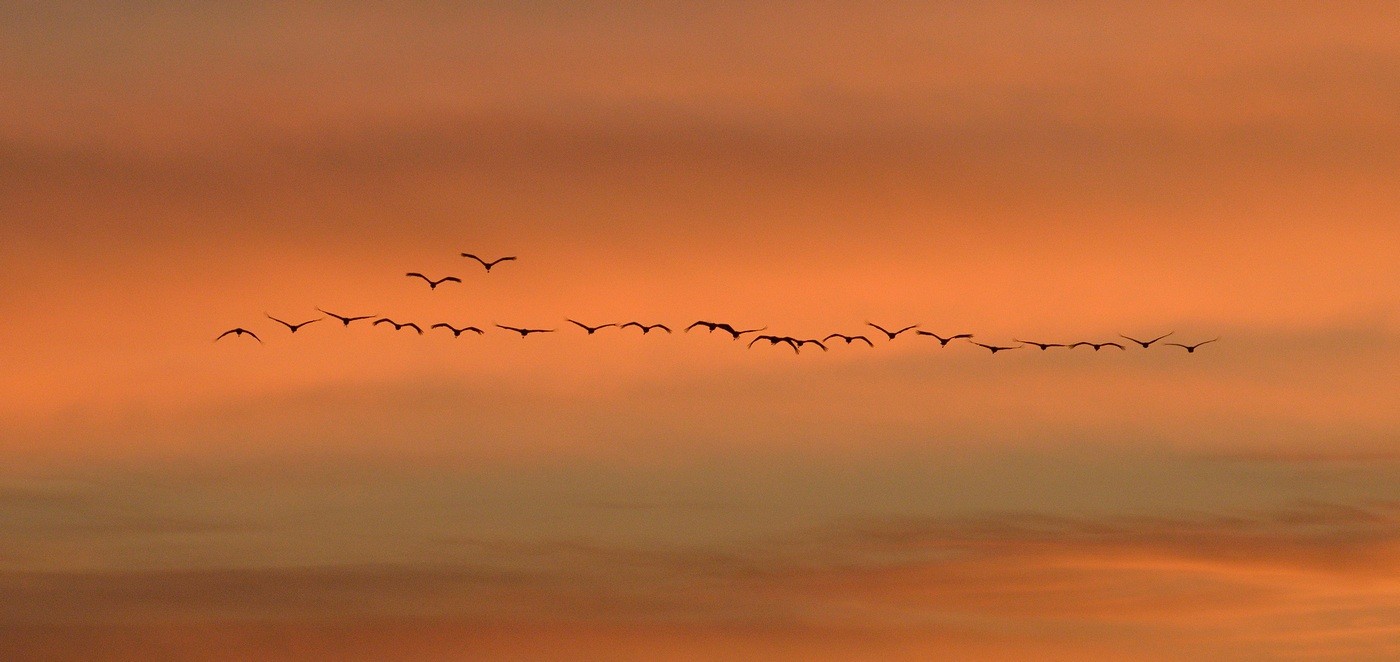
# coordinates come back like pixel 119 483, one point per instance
pixel 456 332
pixel 1191 349
pixel 1042 345
pixel 1145 343
pixel 432 284
pixel 491 263
pixel 994 348
pixel 646 328
pixel 891 334
pixel 399 326
pixel 239 331
pixel 346 320
pixel 943 342
pixel 773 340
pixel 523 331
pixel 1097 345
pixel 592 329
pixel 850 339
pixel 293 327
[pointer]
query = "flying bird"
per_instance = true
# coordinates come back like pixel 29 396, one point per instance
pixel 456 332
pixel 1042 345
pixel 490 264
pixel 239 332
pixel 773 340
pixel 1191 349
pixel 943 342
pixel 398 326
pixel 809 341
pixel 992 348
pixel 850 339
pixel 1145 343
pixel 592 329
pixel 293 327
pixel 887 332
pixel 722 326
pixel 524 332
pixel 1097 345
pixel 346 320
pixel 432 284
pixel 646 328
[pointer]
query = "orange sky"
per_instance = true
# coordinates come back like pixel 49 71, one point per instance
pixel 1009 169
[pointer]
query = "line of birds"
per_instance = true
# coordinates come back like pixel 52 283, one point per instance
pixel 793 342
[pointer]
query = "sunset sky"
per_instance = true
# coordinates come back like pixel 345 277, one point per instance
pixel 1017 170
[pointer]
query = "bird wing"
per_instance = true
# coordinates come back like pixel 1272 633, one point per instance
pixel 878 327
pixel 500 260
pixel 415 274
pixel 413 326
pixel 636 324
pixel 580 325
pixel 384 320
pixel 474 257
pixel 286 324
pixel 1082 342
pixel 1113 344
pixel 479 332
pixel 862 339
pixel 450 278
pixel 254 335
pixel 510 328
pixel 663 327
pixel 698 323
pixel 837 335
pixel 221 335
pixel 905 329
pixel 443 325
pixel 339 317
pixel 961 335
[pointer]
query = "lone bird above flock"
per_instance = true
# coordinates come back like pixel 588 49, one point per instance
pixel 491 263
pixel 524 332
pixel 1145 343
pixel 888 333
pixel 646 328
pixel 943 342
pixel 239 331
pixel 398 326
pixel 432 284
pixel 456 332
pixel 850 339
pixel 293 327
pixel 993 348
pixel 346 320
pixel 1191 349
pixel 591 329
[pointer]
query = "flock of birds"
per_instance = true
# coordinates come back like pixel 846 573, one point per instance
pixel 796 344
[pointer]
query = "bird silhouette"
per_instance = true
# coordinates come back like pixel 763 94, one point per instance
pixel 646 328
pixel 490 264
pixel 1042 345
pixel 346 320
pixel 592 329
pixel 398 326
pixel 237 332
pixel 809 341
pixel 1191 349
pixel 993 348
pixel 725 327
pixel 773 340
pixel 891 334
pixel 1097 345
pixel 524 332
pixel 1145 343
pixel 456 332
pixel 943 342
pixel 850 339
pixel 432 284
pixel 293 327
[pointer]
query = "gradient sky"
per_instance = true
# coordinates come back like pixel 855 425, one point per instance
pixel 1055 171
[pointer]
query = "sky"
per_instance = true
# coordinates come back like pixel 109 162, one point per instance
pixel 1021 171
